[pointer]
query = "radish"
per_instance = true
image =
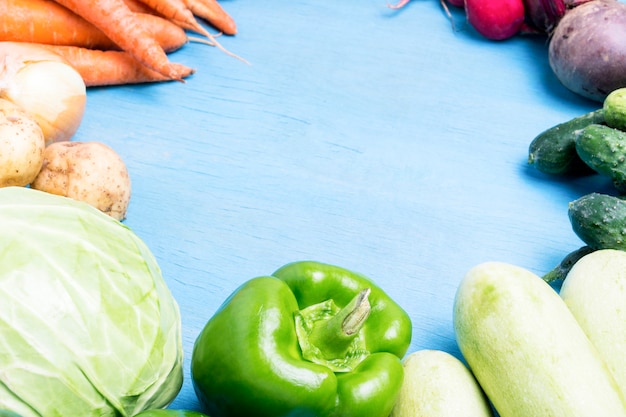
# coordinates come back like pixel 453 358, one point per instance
pixel 496 19
pixel 587 50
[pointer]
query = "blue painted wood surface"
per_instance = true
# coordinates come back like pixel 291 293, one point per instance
pixel 389 142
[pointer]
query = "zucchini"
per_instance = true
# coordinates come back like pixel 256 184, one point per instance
pixel 599 220
pixel 437 384
pixel 603 148
pixel 553 151
pixel 526 349
pixel 595 290
pixel 615 109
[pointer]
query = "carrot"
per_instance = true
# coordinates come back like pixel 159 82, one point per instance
pixel 37 20
pixel 45 21
pixel 138 6
pixel 177 12
pixel 106 68
pixel 119 23
pixel 214 14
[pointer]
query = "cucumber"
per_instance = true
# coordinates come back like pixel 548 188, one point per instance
pixel 603 148
pixel 526 349
pixel 437 384
pixel 559 272
pixel 595 290
pixel 554 150
pixel 615 109
pixel 599 220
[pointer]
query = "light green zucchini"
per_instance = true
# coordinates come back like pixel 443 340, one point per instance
pixel 527 350
pixel 595 292
pixel 437 384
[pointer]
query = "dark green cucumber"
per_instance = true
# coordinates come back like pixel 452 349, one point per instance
pixel 615 109
pixel 553 151
pixel 603 148
pixel 560 271
pixel 599 220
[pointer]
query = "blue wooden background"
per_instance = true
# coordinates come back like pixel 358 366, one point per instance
pixel 390 142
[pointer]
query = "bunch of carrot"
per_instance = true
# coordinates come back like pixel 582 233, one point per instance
pixel 113 42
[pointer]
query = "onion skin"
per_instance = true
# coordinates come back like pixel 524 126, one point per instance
pixel 44 85
pixel 587 50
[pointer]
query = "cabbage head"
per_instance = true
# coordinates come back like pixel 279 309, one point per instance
pixel 88 326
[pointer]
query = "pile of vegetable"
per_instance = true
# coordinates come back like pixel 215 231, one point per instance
pixel 587 52
pixel 590 144
pixel 42 103
pixel 115 41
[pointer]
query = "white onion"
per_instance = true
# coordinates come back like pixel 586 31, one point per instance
pixel 45 86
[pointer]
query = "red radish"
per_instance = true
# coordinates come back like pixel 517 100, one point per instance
pixel 400 4
pixel 496 19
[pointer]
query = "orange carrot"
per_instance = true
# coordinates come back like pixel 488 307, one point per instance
pixel 177 12
pixel 106 68
pixel 139 7
pixel 45 21
pixel 119 23
pixel 211 12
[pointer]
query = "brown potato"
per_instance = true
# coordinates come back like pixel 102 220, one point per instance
pixel 22 146
pixel 86 171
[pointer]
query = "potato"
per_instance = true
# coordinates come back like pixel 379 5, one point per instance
pixel 22 146
pixel 86 171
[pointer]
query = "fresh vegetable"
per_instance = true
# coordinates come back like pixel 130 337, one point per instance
pixel 105 68
pixel 553 151
pixel 213 13
pixel 543 15
pixel 594 291
pixel 437 384
pixel 614 107
pixel 177 12
pixel 7 413
pixel 587 51
pixel 91 172
pixel 599 220
pixel 526 349
pixel 559 272
pixel 169 413
pixel 604 149
pixel 89 327
pixel 115 19
pixel 45 86
pixel 312 339
pixel 47 22
pixel 21 146
pixel 496 19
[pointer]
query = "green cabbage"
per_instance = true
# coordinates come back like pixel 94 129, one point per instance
pixel 88 326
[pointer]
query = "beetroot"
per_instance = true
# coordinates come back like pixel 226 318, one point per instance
pixel 496 19
pixel 587 50
pixel 543 15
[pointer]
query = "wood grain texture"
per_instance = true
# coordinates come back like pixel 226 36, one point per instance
pixel 382 141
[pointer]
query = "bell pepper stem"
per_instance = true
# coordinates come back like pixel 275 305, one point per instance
pixel 333 337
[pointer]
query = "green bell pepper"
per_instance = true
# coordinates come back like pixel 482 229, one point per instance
pixel 312 340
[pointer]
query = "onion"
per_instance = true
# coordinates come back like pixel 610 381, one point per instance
pixel 45 86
